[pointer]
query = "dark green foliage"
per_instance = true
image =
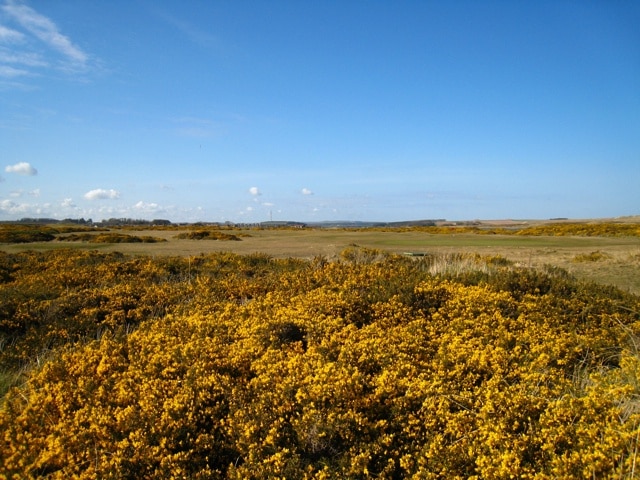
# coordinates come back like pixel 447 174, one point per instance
pixel 208 235
pixel 110 238
pixel 25 234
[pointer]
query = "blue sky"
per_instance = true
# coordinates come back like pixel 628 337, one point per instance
pixel 337 110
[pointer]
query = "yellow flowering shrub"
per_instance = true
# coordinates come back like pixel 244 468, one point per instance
pixel 371 367
pixel 578 229
pixel 601 229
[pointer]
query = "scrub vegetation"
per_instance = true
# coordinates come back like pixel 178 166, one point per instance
pixel 109 238
pixel 203 234
pixel 370 365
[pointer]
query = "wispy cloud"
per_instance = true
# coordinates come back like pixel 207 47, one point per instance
pixel 306 191
pixel 45 30
pixel 197 127
pixel 194 34
pixel 21 168
pixel 255 191
pixel 12 72
pixel 8 35
pixel 23 58
pixel 36 42
pixel 102 194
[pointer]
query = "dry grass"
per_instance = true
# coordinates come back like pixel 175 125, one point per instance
pixel 618 259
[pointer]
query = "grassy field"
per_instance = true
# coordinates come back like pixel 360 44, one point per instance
pixel 617 261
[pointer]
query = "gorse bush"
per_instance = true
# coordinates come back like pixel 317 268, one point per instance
pixel 60 297
pixel 25 234
pixel 600 229
pixel 223 366
pixel 110 238
pixel 604 229
pixel 208 235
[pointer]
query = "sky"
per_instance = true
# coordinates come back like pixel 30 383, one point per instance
pixel 246 111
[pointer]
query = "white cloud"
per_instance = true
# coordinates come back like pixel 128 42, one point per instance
pixel 102 194
pixel 31 38
pixel 255 191
pixel 21 168
pixel 144 207
pixel 306 191
pixel 8 35
pixel 67 203
pixel 12 208
pixel 22 58
pixel 35 193
pixel 45 30
pixel 11 72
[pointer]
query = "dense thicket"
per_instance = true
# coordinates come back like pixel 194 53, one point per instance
pixel 225 366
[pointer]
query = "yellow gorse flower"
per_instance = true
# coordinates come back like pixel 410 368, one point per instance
pixel 370 367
